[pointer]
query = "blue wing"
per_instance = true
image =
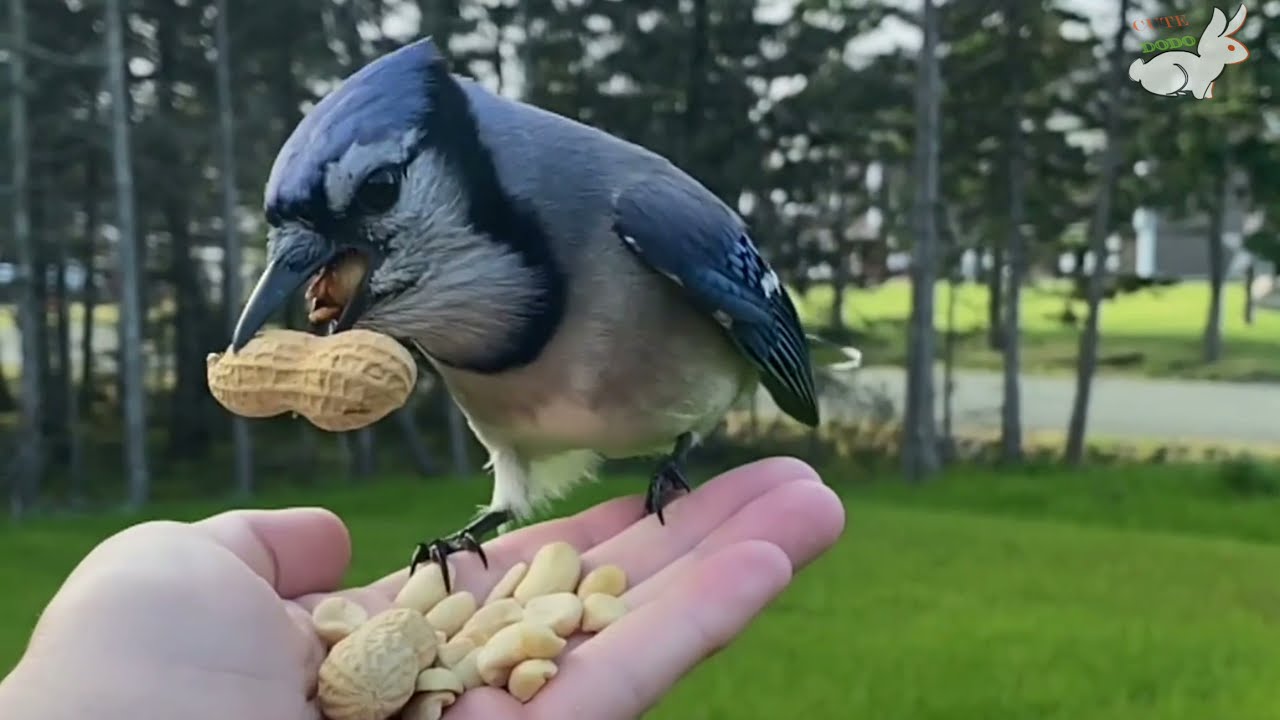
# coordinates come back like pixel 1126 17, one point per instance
pixel 686 234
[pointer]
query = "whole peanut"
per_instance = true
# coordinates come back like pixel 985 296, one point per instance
pixel 371 673
pixel 338 382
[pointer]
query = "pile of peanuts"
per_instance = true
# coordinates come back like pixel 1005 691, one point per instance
pixel 416 658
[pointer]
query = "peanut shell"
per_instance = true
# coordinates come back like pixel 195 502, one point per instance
pixel 337 382
pixel 371 673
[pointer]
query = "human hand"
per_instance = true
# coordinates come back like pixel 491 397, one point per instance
pixel 211 619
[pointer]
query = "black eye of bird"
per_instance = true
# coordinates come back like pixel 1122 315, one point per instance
pixel 379 192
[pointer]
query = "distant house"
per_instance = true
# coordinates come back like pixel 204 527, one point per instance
pixel 1178 247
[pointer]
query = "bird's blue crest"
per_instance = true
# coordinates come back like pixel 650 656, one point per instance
pixel 383 99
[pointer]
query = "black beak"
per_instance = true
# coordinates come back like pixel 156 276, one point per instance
pixel 296 257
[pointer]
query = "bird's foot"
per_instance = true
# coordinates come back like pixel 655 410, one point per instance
pixel 668 483
pixel 465 540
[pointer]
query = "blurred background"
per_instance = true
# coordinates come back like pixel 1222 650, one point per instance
pixel 1059 461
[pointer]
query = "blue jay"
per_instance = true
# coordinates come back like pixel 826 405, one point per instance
pixel 580 296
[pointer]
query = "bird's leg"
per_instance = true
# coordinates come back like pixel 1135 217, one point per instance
pixel 510 502
pixel 464 540
pixel 668 479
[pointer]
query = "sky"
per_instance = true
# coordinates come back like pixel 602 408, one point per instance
pixel 893 33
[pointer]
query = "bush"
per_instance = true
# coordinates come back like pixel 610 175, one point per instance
pixel 1245 477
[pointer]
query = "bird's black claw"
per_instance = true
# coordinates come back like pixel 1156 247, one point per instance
pixel 437 551
pixel 666 485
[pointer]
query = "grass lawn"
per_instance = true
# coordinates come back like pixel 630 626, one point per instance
pixel 1116 594
pixel 1153 332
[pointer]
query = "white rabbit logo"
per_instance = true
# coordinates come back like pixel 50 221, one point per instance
pixel 1179 72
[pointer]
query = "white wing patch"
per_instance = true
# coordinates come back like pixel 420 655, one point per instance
pixel 770 284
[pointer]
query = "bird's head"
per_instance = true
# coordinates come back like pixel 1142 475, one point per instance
pixel 371 203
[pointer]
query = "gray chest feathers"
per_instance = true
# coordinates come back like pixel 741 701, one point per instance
pixel 632 366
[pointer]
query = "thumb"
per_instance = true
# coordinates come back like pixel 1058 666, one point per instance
pixel 296 550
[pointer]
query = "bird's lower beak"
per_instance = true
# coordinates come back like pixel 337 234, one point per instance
pixel 298 257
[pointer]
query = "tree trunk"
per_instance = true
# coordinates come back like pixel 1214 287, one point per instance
pixel 1087 361
pixel 1011 408
pixel 60 376
pixel 362 448
pixel 132 369
pixel 41 234
pixel 363 463
pixel 189 403
pixel 8 403
pixel 1217 268
pixel 949 366
pixel 920 446
pixel 89 296
pixel 1250 274
pixel 527 53
pixel 839 289
pixel 698 47
pixel 232 286
pixel 421 457
pixel 70 439
pixel 30 469
pixel 995 298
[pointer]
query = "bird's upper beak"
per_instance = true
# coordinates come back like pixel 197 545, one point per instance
pixel 297 255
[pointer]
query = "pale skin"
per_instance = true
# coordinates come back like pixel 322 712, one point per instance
pixel 211 619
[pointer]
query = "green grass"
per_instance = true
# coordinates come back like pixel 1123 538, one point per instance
pixel 1143 592
pixel 1153 332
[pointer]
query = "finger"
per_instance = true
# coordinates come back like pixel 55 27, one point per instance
pixel 802 519
pixel 296 550
pixel 313 652
pixel 648 546
pixel 627 667
pixel 599 532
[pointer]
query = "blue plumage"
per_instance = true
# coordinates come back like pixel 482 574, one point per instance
pixel 492 232
pixel 383 99
pixel 692 238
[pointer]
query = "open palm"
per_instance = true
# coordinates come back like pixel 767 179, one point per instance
pixel 211 619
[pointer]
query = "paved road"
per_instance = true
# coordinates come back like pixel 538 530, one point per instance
pixel 1122 407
